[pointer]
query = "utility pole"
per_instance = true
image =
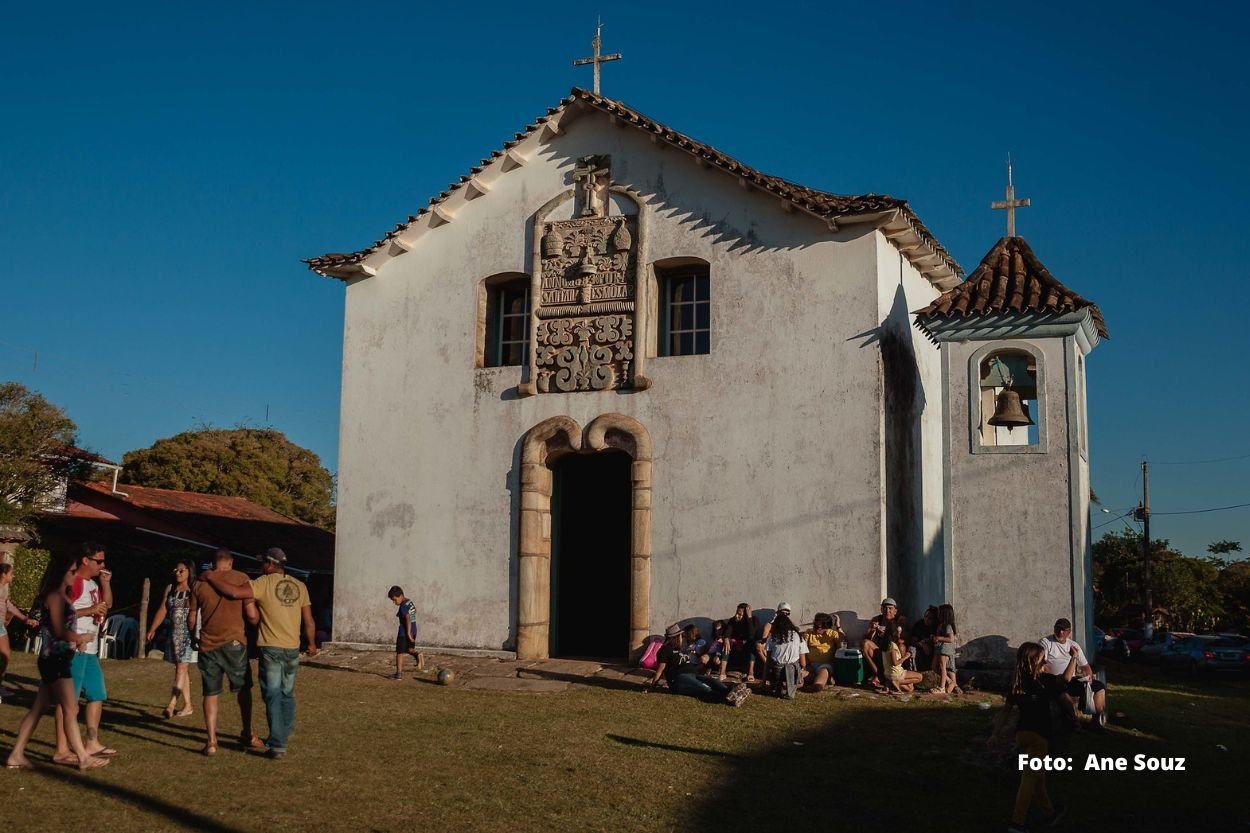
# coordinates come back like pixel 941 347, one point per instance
pixel 1148 630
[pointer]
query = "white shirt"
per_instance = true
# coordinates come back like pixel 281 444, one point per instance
pixel 786 652
pixel 86 623
pixel 1058 655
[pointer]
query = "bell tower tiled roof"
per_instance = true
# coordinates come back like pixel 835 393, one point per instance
pixel 1009 279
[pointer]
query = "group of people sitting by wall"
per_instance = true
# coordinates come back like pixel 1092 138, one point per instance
pixel 790 659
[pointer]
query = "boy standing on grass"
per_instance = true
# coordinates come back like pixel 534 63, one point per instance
pixel 406 638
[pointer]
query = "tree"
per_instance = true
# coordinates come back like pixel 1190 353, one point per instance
pixel 261 465
pixel 34 438
pixel 1187 587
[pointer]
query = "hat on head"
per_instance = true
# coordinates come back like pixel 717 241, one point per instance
pixel 889 600
pixel 275 555
pixel 673 630
pixel 783 607
pixel 1063 625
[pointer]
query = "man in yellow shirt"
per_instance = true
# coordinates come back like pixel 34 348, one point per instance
pixel 283 607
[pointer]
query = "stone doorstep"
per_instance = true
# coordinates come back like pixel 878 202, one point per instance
pixel 517 684
pixel 563 667
pixel 500 669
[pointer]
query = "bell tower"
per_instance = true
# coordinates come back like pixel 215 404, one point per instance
pixel 1014 344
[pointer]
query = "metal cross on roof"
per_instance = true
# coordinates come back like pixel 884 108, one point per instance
pixel 1011 203
pixel 597 59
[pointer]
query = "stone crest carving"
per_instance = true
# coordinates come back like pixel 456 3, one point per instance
pixel 585 333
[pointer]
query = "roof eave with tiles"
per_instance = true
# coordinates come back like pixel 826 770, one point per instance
pixel 1010 282
pixel 892 216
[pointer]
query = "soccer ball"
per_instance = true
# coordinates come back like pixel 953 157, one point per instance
pixel 446 676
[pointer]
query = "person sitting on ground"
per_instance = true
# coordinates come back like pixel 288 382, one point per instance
pixel 787 654
pixel 893 654
pixel 823 641
pixel 874 639
pixel 716 658
pixel 406 637
pixel 944 656
pixel 744 639
pixel 673 664
pixel 920 639
pixel 696 647
pixel 1058 648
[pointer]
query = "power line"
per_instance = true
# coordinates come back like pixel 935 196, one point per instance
pixel 1199 462
pixel 1200 511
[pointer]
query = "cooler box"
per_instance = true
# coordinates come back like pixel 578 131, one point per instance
pixel 848 666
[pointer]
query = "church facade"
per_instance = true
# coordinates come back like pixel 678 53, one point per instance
pixel 613 378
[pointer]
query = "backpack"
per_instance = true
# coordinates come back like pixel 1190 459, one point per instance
pixel 649 653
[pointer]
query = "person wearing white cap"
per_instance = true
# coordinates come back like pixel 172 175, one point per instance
pixel 875 638
pixel 787 653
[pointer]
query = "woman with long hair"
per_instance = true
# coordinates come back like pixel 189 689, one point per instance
pixel 176 605
pixel 893 654
pixel 58 643
pixel 8 612
pixel 1032 692
pixel 785 650
pixel 944 636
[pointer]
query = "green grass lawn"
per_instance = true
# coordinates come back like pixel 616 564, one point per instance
pixel 372 754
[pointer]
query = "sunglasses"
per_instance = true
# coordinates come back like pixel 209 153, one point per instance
pixel 96 560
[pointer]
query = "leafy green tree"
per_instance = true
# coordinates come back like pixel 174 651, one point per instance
pixel 34 434
pixel 1235 589
pixel 261 465
pixel 1189 589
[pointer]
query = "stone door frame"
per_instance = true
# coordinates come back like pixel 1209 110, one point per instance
pixel 542 446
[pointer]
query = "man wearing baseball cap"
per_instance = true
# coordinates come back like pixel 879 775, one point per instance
pixel 873 640
pixel 283 606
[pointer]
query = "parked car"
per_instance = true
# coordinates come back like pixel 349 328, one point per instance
pixel 1100 640
pixel 1162 640
pixel 1112 645
pixel 1206 652
pixel 1133 639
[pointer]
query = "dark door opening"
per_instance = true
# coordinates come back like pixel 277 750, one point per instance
pixel 590 550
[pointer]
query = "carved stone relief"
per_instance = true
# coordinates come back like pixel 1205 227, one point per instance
pixel 585 310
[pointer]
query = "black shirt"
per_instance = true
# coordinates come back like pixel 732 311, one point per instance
pixel 1034 703
pixel 745 630
pixel 676 662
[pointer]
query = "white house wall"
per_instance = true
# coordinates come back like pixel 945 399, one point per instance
pixel 767 452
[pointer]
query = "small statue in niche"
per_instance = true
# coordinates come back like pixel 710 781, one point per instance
pixel 621 238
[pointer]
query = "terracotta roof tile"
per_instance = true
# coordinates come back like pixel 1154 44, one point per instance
pixel 821 203
pixel 1010 279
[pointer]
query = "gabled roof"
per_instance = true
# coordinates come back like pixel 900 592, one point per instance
pixel 1009 279
pixel 892 215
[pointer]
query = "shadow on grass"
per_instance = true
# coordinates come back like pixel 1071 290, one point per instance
pixel 180 815
pixel 621 739
pixel 611 683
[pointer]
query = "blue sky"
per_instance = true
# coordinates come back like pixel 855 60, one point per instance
pixel 164 168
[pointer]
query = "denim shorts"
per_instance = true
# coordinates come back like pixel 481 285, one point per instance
pixel 228 662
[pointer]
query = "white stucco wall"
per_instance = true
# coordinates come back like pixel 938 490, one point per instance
pixel 767 452
pixel 1011 526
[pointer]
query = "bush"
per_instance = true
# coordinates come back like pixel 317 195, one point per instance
pixel 29 566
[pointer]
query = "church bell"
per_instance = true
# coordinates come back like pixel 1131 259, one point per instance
pixel 1009 411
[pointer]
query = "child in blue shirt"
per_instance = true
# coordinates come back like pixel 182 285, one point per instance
pixel 406 638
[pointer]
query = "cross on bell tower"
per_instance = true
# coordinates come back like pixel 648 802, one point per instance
pixel 1011 203
pixel 597 59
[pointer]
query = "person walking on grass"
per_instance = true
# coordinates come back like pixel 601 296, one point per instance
pixel 87 585
pixel 176 606
pixel 8 612
pixel 1032 692
pixel 406 638
pixel 59 643
pixel 282 608
pixel 223 649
